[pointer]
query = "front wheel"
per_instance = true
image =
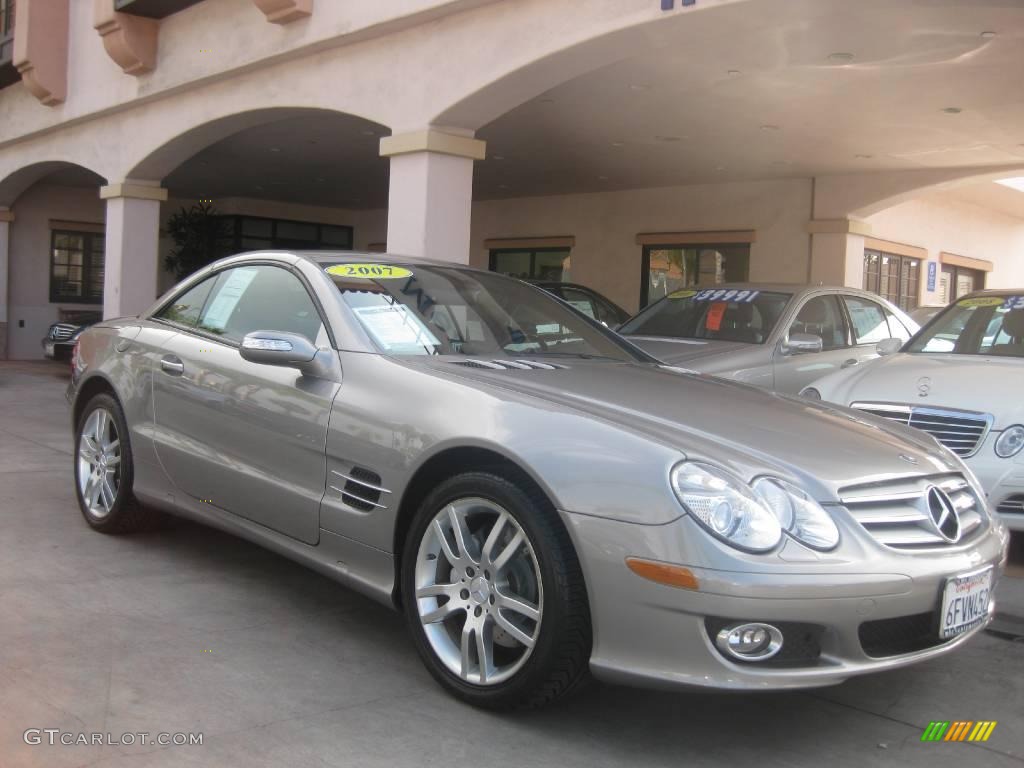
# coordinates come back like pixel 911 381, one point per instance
pixel 494 594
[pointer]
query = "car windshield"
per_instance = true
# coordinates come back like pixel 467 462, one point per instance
pixel 978 325
pixel 420 309
pixel 722 314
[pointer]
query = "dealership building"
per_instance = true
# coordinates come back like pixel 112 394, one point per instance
pixel 634 146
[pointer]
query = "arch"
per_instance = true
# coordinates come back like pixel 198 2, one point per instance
pixel 567 49
pixel 950 179
pixel 176 146
pixel 15 183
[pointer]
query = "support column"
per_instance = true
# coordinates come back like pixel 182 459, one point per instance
pixel 837 252
pixel 6 217
pixel 131 261
pixel 431 194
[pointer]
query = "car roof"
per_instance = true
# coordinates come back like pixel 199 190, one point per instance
pixel 995 292
pixel 356 257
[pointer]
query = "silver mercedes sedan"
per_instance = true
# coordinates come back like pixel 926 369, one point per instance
pixel 778 336
pixel 539 497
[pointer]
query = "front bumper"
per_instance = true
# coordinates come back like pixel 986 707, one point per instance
pixel 1002 480
pixel 650 634
pixel 57 350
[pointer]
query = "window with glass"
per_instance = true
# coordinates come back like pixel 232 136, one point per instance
pixel 547 264
pixel 956 282
pixel 983 325
pixel 254 233
pixel 76 267
pixel 726 315
pixel 669 268
pixel 821 316
pixel 449 311
pixel 894 277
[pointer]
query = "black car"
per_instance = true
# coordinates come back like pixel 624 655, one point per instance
pixel 588 301
pixel 61 337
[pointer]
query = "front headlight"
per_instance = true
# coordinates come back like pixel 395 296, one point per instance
pixel 726 507
pixel 798 514
pixel 1010 442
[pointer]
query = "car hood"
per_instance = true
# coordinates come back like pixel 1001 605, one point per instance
pixel 686 351
pixel 750 430
pixel 968 382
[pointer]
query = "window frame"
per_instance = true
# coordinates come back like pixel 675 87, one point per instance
pixel 840 305
pixel 872 282
pixel 87 265
pixel 494 253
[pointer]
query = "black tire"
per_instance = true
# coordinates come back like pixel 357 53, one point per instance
pixel 126 514
pixel 559 661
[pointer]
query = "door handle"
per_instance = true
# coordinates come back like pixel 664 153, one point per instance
pixel 172 365
pixel 849 363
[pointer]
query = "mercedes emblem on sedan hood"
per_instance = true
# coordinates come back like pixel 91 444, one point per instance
pixel 943 514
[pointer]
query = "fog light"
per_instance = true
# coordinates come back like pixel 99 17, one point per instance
pixel 750 642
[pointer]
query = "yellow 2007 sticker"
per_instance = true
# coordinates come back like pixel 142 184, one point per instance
pixel 369 271
pixel 981 301
pixel 682 294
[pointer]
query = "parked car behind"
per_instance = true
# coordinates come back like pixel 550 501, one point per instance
pixel 962 380
pixel 539 497
pixel 588 301
pixel 780 337
pixel 922 315
pixel 60 337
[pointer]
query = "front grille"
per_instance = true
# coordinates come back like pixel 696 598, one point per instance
pixel 801 642
pixel 900 635
pixel 1012 505
pixel 61 331
pixel 961 431
pixel 896 512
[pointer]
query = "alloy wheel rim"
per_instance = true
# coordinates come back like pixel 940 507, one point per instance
pixel 479 594
pixel 99 463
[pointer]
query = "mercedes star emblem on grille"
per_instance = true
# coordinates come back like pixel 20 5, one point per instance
pixel 943 514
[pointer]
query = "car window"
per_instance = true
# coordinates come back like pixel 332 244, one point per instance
pixel 261 298
pixel 897 329
pixel 581 301
pixel 725 314
pixel 185 309
pixel 821 316
pixel 976 325
pixel 868 318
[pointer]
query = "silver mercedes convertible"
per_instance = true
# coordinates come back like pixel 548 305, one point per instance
pixel 539 497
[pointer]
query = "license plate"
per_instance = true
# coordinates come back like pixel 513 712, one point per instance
pixel 49 347
pixel 965 603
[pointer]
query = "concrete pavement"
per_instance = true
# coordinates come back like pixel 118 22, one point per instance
pixel 190 630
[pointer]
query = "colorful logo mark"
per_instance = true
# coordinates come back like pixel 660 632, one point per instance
pixel 958 730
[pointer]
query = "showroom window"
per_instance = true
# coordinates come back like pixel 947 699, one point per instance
pixel 76 266
pixel 959 281
pixel 896 278
pixel 668 268
pixel 547 264
pixel 253 233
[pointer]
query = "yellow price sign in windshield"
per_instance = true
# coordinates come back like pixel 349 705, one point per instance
pixel 369 271
pixel 982 301
pixel 682 294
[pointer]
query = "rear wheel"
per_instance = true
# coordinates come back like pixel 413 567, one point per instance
pixel 104 470
pixel 494 594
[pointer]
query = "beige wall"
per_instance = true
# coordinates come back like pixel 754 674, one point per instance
pixel 606 256
pixel 29 287
pixel 940 222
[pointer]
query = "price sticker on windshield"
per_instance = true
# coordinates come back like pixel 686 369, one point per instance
pixel 369 271
pixel 981 301
pixel 726 294
pixel 682 294
pixel 1014 302
pixel 715 314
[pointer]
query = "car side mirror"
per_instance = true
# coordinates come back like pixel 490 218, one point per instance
pixel 802 344
pixel 289 350
pixel 888 347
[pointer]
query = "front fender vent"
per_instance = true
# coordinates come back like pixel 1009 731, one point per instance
pixel 362 489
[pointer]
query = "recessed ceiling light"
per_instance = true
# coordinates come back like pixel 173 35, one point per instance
pixel 719 167
pixel 988 34
pixel 498 157
pixel 321 179
pixel 603 178
pixel 733 73
pixel 668 138
pixel 547 101
pixel 618 143
pixel 503 186
pixel 840 56
pixel 368 132
pixel 769 127
pixel 863 157
pixel 640 87
pixel 780 162
pixel 952 110
pixel 275 149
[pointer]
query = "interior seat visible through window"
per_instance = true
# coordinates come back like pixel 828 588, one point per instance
pixel 820 317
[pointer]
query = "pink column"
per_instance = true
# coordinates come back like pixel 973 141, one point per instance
pixel 431 193
pixel 6 217
pixel 131 261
